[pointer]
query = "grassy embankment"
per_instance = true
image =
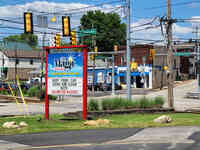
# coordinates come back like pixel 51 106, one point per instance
pixel 56 122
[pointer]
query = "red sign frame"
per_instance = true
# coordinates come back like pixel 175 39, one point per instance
pixel 85 70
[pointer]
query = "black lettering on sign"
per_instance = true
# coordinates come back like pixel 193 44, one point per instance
pixel 64 85
pixel 55 82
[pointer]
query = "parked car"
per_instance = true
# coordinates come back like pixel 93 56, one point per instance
pixel 25 86
pixel 108 86
pixel 97 86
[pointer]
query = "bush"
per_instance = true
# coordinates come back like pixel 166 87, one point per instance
pixel 120 103
pixel 159 101
pixel 93 105
pixel 52 97
pixel 145 103
pixel 116 103
pixel 35 92
pixel 106 104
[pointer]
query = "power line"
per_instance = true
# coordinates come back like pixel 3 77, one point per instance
pixel 174 4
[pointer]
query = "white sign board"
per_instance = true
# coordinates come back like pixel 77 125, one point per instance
pixel 65 86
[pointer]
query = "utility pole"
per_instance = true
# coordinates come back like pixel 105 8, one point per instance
pixel 197 56
pixel 128 80
pixel 170 56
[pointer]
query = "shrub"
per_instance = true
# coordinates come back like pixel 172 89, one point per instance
pixel 159 101
pixel 115 103
pixel 145 103
pixel 52 97
pixel 33 91
pixel 93 105
pixel 120 103
pixel 106 104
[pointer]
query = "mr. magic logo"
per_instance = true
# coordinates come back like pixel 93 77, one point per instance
pixel 64 63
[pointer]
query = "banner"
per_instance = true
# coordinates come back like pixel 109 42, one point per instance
pixel 65 73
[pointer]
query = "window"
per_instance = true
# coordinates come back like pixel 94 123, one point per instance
pixel 31 62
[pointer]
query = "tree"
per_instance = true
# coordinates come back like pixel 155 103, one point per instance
pixel 30 39
pixel 110 29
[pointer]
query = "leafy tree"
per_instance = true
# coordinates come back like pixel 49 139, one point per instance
pixel 110 29
pixel 30 39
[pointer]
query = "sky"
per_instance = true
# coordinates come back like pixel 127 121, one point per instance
pixel 142 12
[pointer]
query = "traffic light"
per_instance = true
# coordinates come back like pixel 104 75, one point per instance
pixel 152 54
pixel 73 37
pixel 92 57
pixel 28 22
pixel 57 40
pixel 115 48
pixel 165 68
pixel 66 26
pixel 134 66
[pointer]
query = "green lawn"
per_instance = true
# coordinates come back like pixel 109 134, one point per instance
pixel 117 121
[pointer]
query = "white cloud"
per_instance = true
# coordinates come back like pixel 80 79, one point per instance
pixel 181 30
pixel 149 33
pixel 38 6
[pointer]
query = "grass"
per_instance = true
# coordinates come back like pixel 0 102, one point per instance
pixel 117 121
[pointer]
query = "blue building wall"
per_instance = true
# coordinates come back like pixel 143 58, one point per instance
pixel 105 72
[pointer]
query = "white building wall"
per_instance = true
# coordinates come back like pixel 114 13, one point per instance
pixel 25 63
pixel 5 58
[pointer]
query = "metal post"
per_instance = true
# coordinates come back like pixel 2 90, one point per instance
pixel 128 80
pixel 16 61
pixel 113 74
pixel 170 56
pixel 42 65
pixel 46 88
pixel 198 57
pixel 198 60
pixel 93 75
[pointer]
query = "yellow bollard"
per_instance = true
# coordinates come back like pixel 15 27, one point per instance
pixel 21 93
pixel 18 104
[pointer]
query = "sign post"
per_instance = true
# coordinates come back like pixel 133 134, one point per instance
pixel 66 74
pixel 85 57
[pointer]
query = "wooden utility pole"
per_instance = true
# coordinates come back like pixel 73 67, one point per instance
pixel 170 56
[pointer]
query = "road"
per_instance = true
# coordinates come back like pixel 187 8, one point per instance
pixel 164 138
pixel 72 104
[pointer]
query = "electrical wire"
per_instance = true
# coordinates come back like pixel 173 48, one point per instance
pixel 173 4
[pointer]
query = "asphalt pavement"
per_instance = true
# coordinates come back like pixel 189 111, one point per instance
pixel 162 138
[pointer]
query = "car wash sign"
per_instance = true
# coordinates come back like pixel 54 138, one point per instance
pixel 65 73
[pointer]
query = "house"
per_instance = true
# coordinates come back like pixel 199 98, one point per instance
pixel 142 76
pixel 187 69
pixel 150 72
pixel 19 62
